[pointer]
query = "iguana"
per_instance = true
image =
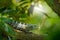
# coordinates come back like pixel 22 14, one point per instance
pixel 20 26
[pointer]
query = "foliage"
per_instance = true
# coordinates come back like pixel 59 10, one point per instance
pixel 52 28
pixel 11 9
pixel 55 5
pixel 6 30
pixel 18 10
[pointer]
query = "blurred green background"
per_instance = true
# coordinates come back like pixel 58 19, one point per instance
pixel 48 25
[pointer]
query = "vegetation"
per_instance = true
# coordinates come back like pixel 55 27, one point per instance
pixel 48 25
